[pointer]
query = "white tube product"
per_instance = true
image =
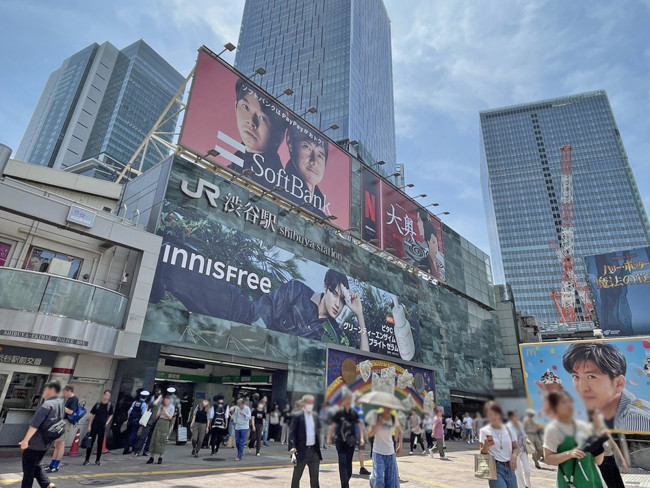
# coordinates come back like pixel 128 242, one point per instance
pixel 403 334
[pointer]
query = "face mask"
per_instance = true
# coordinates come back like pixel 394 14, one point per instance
pixel 309 408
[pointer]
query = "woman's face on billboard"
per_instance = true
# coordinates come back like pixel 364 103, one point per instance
pixel 253 124
pixel 310 159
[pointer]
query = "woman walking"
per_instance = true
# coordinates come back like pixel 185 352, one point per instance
pixel 496 441
pixel 199 426
pixel 576 468
pixel 258 423
pixel 608 468
pixel 286 420
pixel 159 436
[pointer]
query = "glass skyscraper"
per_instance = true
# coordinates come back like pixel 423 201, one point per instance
pixel 336 56
pixel 100 104
pixel 521 177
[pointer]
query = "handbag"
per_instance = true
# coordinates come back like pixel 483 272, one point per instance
pixel 485 467
pixel 144 419
pixel 85 442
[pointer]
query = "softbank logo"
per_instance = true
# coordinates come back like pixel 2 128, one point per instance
pixel 238 146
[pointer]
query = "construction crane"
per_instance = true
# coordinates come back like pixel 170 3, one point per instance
pixel 565 299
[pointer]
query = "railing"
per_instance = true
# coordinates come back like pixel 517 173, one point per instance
pixel 59 296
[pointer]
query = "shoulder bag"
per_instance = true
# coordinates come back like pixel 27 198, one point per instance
pixel 485 467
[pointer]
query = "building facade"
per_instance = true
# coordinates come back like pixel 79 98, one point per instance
pixel 334 55
pixel 100 104
pixel 75 280
pixel 521 178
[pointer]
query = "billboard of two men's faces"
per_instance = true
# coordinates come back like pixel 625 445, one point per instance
pixel 259 138
pixel 611 377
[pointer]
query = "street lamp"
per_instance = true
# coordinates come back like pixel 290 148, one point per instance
pixel 229 46
pixel 287 92
pixel 408 185
pixel 431 205
pixel 378 163
pixel 442 213
pixel 258 71
pixel 333 127
pixel 421 195
pixel 396 174
pixel 310 110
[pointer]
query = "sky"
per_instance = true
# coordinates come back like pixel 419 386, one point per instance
pixel 451 59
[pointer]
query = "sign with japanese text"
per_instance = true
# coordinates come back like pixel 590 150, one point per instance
pixel 260 138
pixel 611 376
pixel 395 223
pixel 25 356
pixel 620 283
pixel 213 269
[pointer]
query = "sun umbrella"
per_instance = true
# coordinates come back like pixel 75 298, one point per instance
pixel 382 399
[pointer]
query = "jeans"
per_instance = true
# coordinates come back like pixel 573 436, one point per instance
pixel 266 433
pixel 32 469
pixel 384 471
pixel 312 462
pixel 505 477
pixel 346 454
pixel 98 432
pixel 240 441
pixel 429 436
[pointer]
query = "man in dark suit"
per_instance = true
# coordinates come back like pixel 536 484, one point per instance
pixel 303 441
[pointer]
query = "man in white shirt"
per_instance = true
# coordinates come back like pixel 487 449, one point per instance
pixel 304 435
pixel 468 426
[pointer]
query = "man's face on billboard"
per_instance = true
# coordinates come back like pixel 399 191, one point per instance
pixel 253 124
pixel 310 159
pixel 334 301
pixel 596 389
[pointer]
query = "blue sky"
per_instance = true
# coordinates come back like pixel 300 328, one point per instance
pixel 450 60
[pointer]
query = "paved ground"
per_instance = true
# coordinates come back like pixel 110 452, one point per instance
pixel 270 470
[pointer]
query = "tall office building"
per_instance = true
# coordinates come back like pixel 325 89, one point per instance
pixel 100 104
pixel 336 56
pixel 521 177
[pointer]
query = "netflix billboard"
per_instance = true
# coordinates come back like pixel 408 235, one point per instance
pixel 394 222
pixel 257 136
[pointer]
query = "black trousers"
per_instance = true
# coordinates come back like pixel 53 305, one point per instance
pixel 416 438
pixel 256 438
pixel 429 436
pixel 611 473
pixel 312 461
pixel 32 469
pixel 346 454
pixel 96 433
pixel 216 438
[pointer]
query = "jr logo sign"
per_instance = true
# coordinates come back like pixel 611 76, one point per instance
pixel 210 189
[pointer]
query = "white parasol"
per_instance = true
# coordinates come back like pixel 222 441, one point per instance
pixel 382 399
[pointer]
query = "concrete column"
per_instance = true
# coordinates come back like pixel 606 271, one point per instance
pixel 63 368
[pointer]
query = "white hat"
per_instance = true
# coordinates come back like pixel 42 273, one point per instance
pixel 171 390
pixel 144 393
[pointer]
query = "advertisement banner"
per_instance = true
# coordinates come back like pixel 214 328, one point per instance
pixel 371 220
pixel 411 233
pixel 414 386
pixel 611 376
pixel 208 268
pixel 258 137
pixel 620 283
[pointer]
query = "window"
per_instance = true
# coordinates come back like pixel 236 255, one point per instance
pixel 5 249
pixel 45 261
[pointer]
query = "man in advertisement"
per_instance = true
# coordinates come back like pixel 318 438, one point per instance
pixel 598 370
pixel 434 261
pixel 261 130
pixel 296 309
pixel 306 169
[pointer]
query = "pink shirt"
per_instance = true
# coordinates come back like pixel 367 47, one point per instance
pixel 437 428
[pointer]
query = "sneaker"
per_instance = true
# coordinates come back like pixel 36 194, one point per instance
pixel 146 453
pixel 160 460
pixel 410 453
pixel 258 454
pixel 424 452
pixel 444 458
pixel 364 472
pixel 135 454
pixel 149 461
pixel 237 459
pixel 50 469
pixel 193 452
pixel 86 462
pixel 98 463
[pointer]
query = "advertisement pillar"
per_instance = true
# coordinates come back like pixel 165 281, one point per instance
pixel 63 368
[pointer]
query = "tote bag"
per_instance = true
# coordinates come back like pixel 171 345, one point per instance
pixel 145 418
pixel 485 467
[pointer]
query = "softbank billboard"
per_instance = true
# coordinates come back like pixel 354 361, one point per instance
pixel 257 136
pixel 395 223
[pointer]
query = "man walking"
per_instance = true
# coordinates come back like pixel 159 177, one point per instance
pixel 345 424
pixel 218 418
pixel 304 442
pixel 532 430
pixel 438 434
pixel 468 425
pixel 101 416
pixel 241 418
pixel 71 404
pixel 361 434
pixel 40 435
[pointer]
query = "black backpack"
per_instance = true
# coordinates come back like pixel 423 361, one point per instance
pixel 219 419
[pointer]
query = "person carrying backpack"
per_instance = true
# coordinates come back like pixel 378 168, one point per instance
pixel 138 407
pixel 218 421
pixel 100 419
pixel 73 414
pixel 46 426
pixel 345 424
